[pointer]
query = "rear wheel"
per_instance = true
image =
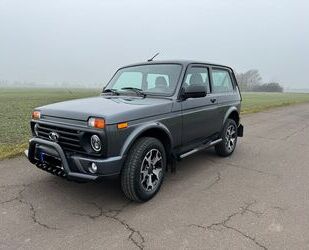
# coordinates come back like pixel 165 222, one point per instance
pixel 144 169
pixel 229 139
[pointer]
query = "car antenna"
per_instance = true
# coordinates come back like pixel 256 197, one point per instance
pixel 151 59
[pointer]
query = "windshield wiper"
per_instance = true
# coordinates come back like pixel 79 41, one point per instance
pixel 112 91
pixel 136 90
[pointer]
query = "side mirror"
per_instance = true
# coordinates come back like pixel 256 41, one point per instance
pixel 194 91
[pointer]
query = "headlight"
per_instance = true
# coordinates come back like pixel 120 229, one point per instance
pixel 36 130
pixel 96 143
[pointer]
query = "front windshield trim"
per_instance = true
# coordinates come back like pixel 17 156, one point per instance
pixel 147 64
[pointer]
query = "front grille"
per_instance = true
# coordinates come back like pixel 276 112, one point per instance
pixel 69 139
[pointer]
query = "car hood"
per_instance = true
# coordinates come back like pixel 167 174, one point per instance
pixel 112 109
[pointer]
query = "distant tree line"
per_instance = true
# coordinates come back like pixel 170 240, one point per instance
pixel 25 84
pixel 252 81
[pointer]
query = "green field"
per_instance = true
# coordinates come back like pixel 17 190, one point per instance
pixel 256 102
pixel 15 112
pixel 16 106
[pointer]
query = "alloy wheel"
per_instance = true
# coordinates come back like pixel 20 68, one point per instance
pixel 230 138
pixel 151 170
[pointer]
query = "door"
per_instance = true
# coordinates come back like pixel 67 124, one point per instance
pixel 199 115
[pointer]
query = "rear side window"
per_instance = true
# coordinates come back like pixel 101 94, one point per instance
pixel 197 76
pixel 221 81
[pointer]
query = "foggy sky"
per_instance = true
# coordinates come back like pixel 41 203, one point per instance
pixel 85 41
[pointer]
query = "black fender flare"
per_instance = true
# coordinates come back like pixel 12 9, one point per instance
pixel 140 130
pixel 229 111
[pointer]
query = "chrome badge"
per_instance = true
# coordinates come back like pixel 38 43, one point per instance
pixel 53 136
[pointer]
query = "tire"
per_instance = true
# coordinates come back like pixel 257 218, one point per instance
pixel 229 139
pixel 145 165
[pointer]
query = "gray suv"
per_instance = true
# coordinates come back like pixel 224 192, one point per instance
pixel 148 117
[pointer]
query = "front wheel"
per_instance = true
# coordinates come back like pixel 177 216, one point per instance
pixel 144 169
pixel 229 139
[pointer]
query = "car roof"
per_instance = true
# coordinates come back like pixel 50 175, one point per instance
pixel 182 62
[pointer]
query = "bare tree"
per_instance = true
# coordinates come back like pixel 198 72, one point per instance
pixel 249 80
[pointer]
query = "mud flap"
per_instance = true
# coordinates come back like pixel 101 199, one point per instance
pixel 240 130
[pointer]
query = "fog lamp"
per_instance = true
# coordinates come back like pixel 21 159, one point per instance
pixel 93 168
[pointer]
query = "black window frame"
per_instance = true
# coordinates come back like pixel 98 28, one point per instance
pixel 230 75
pixel 195 65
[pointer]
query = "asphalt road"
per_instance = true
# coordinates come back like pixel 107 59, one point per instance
pixel 256 199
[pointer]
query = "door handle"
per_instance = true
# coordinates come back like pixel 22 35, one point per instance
pixel 213 100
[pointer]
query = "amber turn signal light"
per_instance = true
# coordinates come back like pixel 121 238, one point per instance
pixel 122 125
pixel 36 115
pixel 96 122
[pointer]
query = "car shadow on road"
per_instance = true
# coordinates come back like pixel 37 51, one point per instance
pixel 107 192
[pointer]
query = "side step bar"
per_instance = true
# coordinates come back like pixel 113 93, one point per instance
pixel 207 145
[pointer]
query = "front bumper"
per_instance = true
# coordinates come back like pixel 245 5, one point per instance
pixel 73 166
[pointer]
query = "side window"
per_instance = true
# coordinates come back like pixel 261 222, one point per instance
pixel 129 79
pixel 221 81
pixel 197 76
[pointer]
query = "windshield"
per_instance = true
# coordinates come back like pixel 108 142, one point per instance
pixel 160 79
